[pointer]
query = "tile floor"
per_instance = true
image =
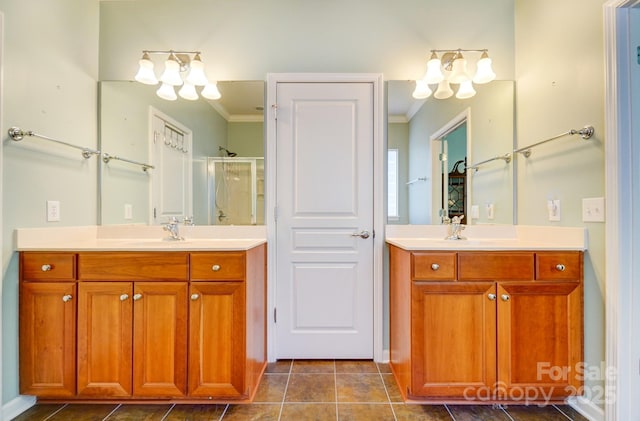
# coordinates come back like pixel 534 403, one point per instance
pixel 309 390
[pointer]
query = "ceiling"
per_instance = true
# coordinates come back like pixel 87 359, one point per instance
pixel 241 100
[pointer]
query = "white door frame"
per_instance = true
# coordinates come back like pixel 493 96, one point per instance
pixel 379 213
pixel 622 321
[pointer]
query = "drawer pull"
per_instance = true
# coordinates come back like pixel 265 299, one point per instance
pixel 194 297
pixel 560 267
pixel 215 268
pixel 505 297
pixel 46 268
pixel 435 266
pixel 124 297
pixel 492 297
pixel 67 298
pixel 136 297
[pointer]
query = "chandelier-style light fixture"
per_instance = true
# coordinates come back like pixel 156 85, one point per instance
pixel 180 69
pixel 451 67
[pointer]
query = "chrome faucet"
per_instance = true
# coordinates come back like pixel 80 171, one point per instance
pixel 454 228
pixel 173 228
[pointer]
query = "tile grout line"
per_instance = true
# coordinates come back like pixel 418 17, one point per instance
pixel 111 413
pixel 286 388
pixel 56 411
pixel 386 391
pixel 449 411
pixel 504 409
pixel 168 412
pixel 335 389
pixel 562 412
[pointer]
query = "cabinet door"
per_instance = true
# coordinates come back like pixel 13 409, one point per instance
pixel 47 339
pixel 104 338
pixel 160 339
pixel 540 340
pixel 453 338
pixel 217 339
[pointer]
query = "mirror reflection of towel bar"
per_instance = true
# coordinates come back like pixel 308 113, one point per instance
pixel 106 158
pixel 415 180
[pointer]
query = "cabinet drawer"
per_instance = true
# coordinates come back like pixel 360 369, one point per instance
pixel 434 266
pixel 132 266
pixel 37 266
pixel 217 266
pixel 559 266
pixel 483 266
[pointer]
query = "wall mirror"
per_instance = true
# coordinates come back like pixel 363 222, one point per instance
pixel 201 159
pixel 416 128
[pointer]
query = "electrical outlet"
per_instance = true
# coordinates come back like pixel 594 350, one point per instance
pixel 491 211
pixel 593 209
pixel 553 209
pixel 53 210
pixel 128 211
pixel 475 212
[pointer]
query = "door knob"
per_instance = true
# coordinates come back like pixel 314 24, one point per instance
pixel 505 297
pixel 46 268
pixel 67 298
pixel 560 267
pixel 136 297
pixel 492 297
pixel 194 297
pixel 361 234
pixel 124 297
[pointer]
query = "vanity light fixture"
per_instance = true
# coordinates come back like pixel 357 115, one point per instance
pixel 451 67
pixel 180 69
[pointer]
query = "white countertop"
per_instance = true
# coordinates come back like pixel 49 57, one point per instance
pixel 139 238
pixel 488 237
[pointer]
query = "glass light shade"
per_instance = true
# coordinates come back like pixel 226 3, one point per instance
pixel 422 90
pixel 171 74
pixel 465 90
pixel 145 71
pixel 484 72
pixel 211 91
pixel 459 71
pixel 434 71
pixel 188 91
pixel 196 75
pixel 167 92
pixel 444 90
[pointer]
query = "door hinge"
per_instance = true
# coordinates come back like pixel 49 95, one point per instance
pixel 155 215
pixel 275 213
pixel 275 315
pixel 274 107
pixel 373 233
pixel 442 157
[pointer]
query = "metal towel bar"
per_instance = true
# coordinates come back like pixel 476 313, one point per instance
pixel 15 133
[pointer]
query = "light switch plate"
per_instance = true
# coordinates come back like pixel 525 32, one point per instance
pixel 53 210
pixel 475 212
pixel 128 211
pixel 593 209
pixel 490 211
pixel 553 209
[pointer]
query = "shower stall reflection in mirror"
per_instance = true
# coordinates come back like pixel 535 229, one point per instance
pixel 236 190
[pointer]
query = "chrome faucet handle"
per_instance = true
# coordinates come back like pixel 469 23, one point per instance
pixel 188 220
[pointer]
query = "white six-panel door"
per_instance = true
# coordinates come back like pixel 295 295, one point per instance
pixel 324 225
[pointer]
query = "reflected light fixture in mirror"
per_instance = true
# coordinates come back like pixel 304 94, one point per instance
pixel 180 69
pixel 451 67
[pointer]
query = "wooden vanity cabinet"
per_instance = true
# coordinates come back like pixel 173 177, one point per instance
pixel 48 324
pixel 134 325
pixel 499 326
pixel 227 331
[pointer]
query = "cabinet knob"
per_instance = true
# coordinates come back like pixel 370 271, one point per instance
pixel 505 297
pixel 492 297
pixel 215 268
pixel 136 297
pixel 124 297
pixel 67 298
pixel 46 268
pixel 560 267
pixel 435 266
pixel 194 297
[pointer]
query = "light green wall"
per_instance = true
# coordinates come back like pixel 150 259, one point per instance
pixel 50 69
pixel 560 74
pixel 246 138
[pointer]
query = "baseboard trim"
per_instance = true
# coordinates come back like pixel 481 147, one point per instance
pixel 586 408
pixel 17 406
pixel 385 356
